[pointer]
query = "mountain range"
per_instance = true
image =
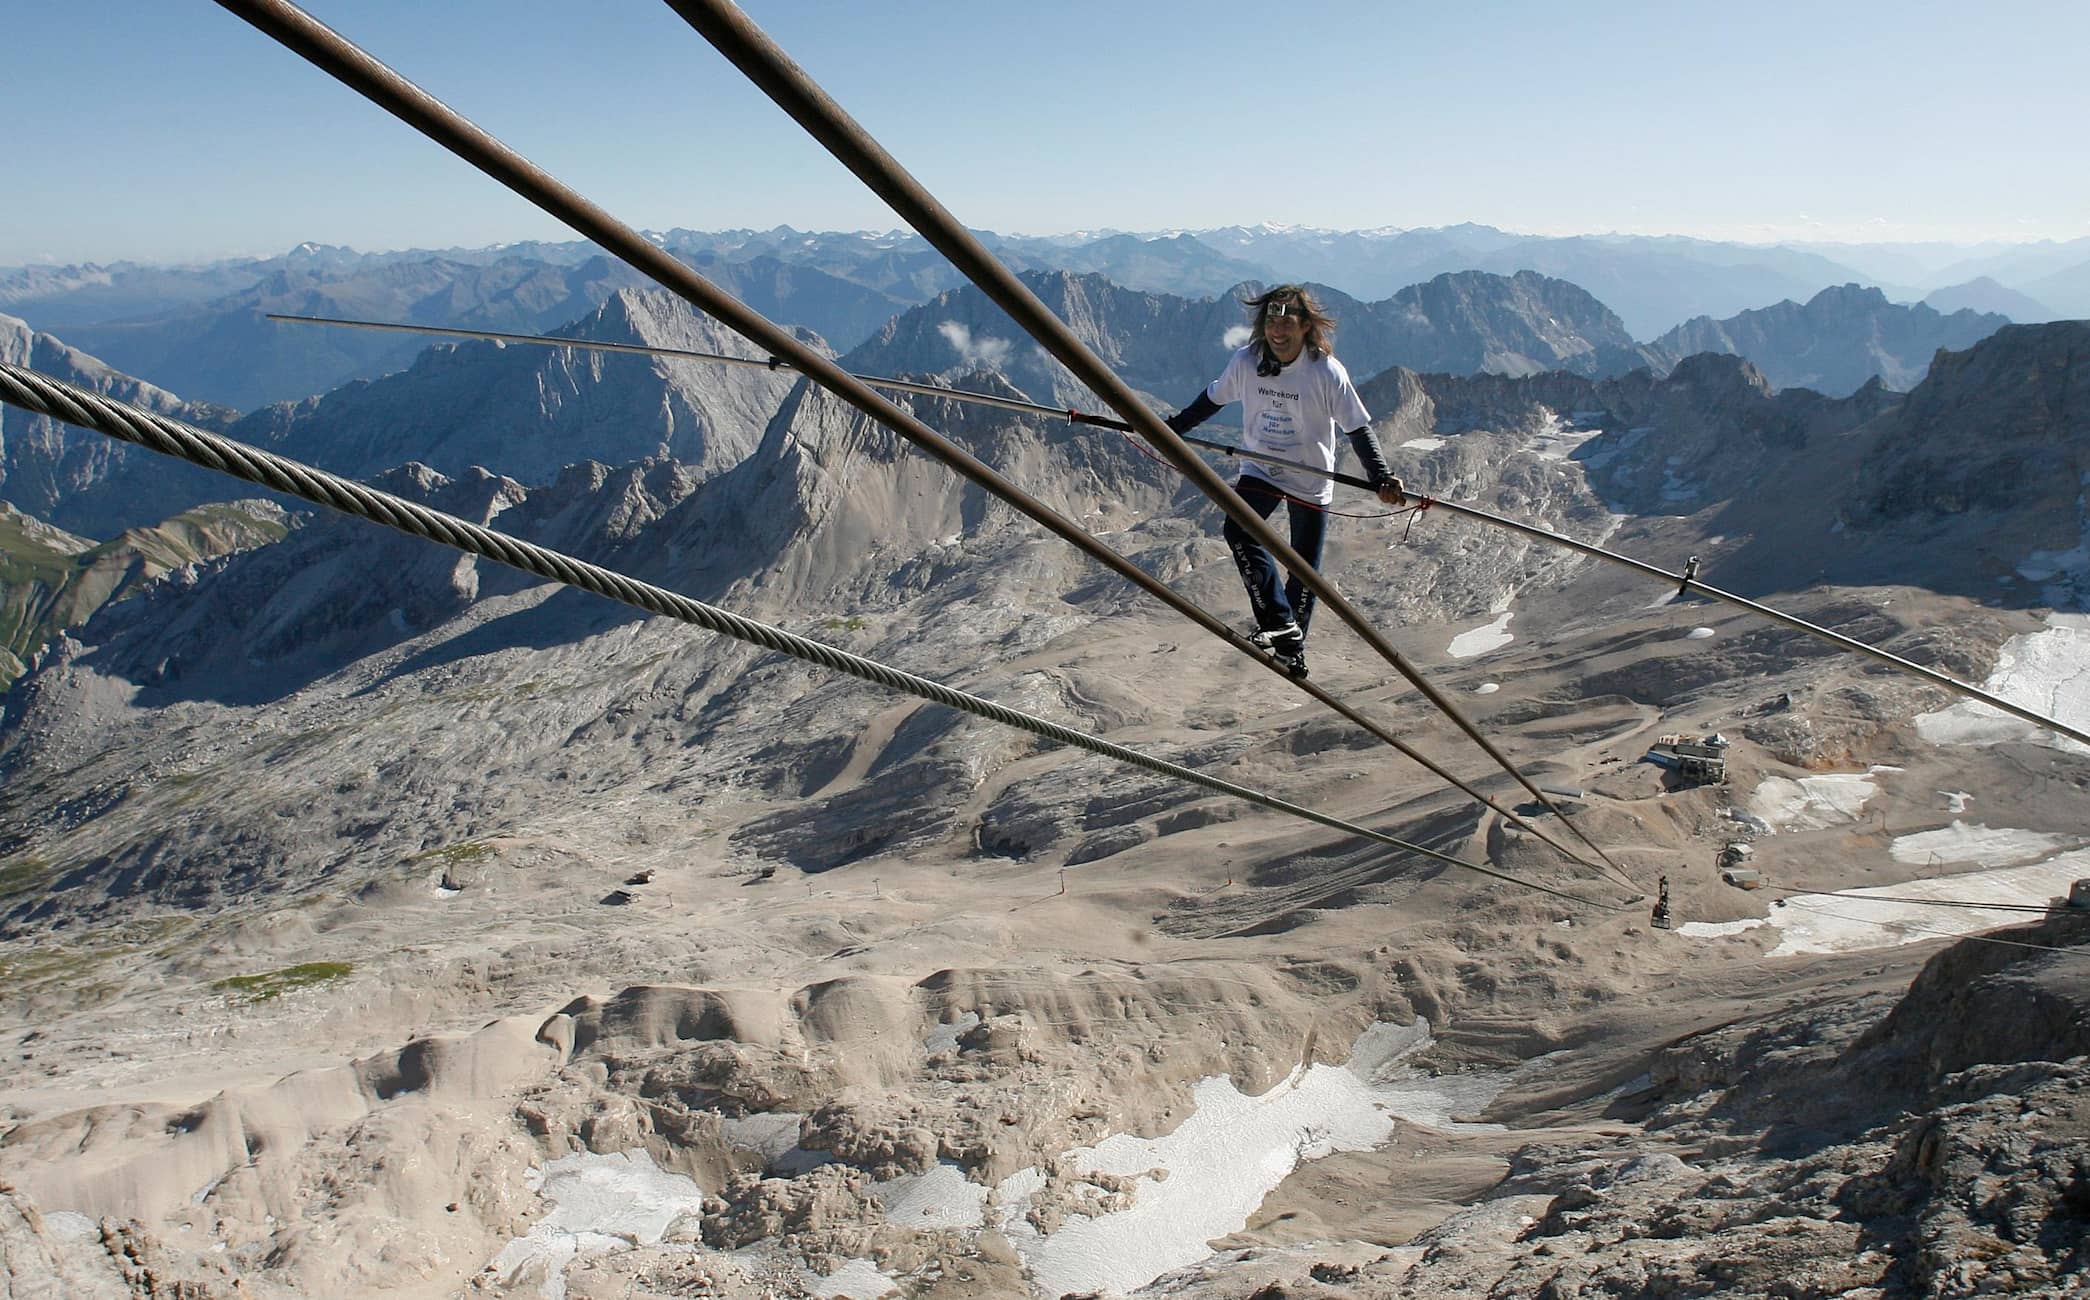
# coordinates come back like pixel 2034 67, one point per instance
pixel 199 330
pixel 353 891
pixel 1837 341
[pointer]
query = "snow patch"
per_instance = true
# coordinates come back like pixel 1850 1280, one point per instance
pixel 1425 444
pixel 1487 688
pixel 2047 671
pixel 939 1197
pixel 1858 919
pixel 859 1279
pixel 1698 634
pixel 1480 640
pixel 1813 802
pixel 1205 1179
pixel 944 1038
pixel 599 1204
pixel 1973 842
pixel 774 1134
pixel 1556 440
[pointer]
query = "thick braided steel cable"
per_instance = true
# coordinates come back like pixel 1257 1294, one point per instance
pixel 1188 610
pixel 342 59
pixel 38 392
pixel 763 62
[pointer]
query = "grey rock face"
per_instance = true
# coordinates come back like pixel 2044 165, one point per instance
pixel 85 482
pixel 1171 347
pixel 1983 294
pixel 527 411
pixel 1838 341
pixel 229 351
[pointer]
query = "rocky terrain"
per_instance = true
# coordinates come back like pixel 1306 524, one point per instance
pixel 1837 341
pixel 381 921
pixel 51 580
pixel 1170 347
pixel 82 482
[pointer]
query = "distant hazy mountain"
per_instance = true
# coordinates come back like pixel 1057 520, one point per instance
pixel 842 311
pixel 205 333
pixel 526 412
pixel 2067 290
pixel 1170 346
pixel 63 296
pixel 1364 264
pixel 1652 283
pixel 1181 265
pixel 2018 265
pixel 899 263
pixel 228 352
pixel 85 482
pixel 1158 343
pixel 1839 340
pixel 1982 294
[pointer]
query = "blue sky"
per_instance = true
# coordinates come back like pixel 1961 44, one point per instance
pixel 169 129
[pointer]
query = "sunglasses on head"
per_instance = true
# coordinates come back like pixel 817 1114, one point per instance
pixel 1284 309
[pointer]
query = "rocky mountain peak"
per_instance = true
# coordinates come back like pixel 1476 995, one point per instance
pixel 1714 377
pixel 2000 428
pixel 85 482
pixel 1848 298
pixel 1836 342
pixel 528 411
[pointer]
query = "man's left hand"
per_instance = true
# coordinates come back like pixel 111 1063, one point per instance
pixel 1392 493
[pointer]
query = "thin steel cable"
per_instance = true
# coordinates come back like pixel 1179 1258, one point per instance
pixel 38 392
pixel 1787 894
pixel 1688 583
pixel 763 62
pixel 686 354
pixel 2069 951
pixel 1006 403
pixel 1684 582
pixel 340 58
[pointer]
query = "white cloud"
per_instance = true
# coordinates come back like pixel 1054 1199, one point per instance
pixel 1236 337
pixel 987 351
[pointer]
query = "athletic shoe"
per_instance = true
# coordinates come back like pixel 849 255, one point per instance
pixel 1293 663
pixel 1286 640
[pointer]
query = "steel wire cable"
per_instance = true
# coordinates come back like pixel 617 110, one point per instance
pixel 930 390
pixel 326 49
pixel 44 395
pixel 763 62
pixel 2077 951
pixel 1786 894
pixel 1685 583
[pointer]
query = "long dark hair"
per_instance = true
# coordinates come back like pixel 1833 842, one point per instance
pixel 1320 326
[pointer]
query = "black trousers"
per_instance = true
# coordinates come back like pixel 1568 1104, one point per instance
pixel 1276 605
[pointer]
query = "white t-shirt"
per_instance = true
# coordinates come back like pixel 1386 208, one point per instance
pixel 1295 413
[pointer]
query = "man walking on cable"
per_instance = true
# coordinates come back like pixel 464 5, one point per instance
pixel 1295 397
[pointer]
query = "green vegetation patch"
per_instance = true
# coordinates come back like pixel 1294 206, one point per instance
pixel 456 855
pixel 23 875
pixel 275 983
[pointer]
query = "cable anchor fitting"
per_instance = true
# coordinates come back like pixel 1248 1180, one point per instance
pixel 1690 573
